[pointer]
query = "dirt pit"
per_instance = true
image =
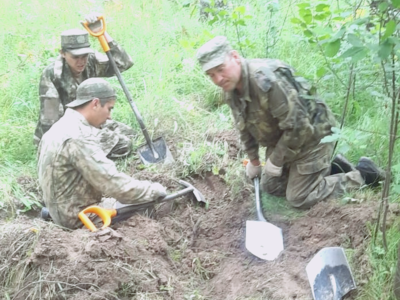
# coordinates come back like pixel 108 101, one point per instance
pixel 182 250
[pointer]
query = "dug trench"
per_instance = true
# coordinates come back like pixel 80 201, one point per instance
pixel 180 250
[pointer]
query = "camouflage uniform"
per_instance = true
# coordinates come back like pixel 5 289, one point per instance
pixel 74 171
pixel 58 88
pixel 277 111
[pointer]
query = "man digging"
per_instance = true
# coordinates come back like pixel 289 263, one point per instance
pixel 76 63
pixel 73 169
pixel 274 109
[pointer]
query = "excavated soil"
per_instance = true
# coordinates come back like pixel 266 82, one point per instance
pixel 181 250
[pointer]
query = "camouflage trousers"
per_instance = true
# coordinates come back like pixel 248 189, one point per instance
pixel 307 180
pixel 116 139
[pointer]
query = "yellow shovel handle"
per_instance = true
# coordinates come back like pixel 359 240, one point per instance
pixel 100 34
pixel 104 214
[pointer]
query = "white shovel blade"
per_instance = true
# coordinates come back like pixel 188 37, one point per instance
pixel 263 239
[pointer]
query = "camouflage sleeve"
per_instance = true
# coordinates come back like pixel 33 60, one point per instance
pixel 120 56
pixel 293 121
pixel 51 109
pixel 87 157
pixel 249 144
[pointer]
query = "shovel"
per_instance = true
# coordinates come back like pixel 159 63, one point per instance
pixel 329 274
pixel 153 151
pixel 125 211
pixel 263 239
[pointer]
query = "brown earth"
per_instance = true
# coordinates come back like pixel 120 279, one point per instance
pixel 183 250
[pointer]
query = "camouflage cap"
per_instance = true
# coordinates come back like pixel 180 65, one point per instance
pixel 213 53
pixel 92 88
pixel 76 42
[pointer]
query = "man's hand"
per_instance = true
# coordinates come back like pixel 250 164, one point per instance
pixel 159 192
pixel 94 23
pixel 253 171
pixel 271 169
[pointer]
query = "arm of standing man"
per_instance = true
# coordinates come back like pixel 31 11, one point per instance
pixel 121 57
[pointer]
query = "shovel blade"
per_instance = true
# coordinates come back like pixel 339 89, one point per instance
pixel 164 155
pixel 264 239
pixel 329 274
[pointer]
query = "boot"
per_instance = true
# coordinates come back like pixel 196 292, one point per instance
pixel 341 165
pixel 370 172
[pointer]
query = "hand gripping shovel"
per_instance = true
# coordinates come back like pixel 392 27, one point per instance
pixel 263 239
pixel 153 151
pixel 125 211
pixel 329 274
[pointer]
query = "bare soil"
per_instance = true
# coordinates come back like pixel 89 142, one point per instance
pixel 181 250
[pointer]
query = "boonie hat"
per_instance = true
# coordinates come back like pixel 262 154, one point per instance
pixel 76 42
pixel 213 53
pixel 92 88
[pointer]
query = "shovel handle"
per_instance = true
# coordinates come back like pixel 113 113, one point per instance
pixel 106 48
pixel 100 34
pixel 104 214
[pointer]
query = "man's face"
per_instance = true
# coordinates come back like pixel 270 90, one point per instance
pixel 77 64
pixel 101 114
pixel 227 75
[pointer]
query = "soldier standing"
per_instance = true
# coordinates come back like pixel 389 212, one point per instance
pixel 76 63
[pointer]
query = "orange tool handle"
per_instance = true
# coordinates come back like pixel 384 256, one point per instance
pixel 104 214
pixel 100 34
pixel 246 161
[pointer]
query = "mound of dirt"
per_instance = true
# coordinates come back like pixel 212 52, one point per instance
pixel 183 251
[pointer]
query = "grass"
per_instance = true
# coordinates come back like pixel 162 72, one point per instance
pixel 173 95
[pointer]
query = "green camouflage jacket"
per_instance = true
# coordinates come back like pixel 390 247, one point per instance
pixel 277 111
pixel 74 172
pixel 58 87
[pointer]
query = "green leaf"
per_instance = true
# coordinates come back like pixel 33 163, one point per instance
pixel 330 138
pixel 383 6
pixel 332 48
pixel 241 22
pixel 215 19
pixel 344 149
pixel 339 34
pixel 321 72
pixel 241 9
pixel 354 40
pixel 335 130
pixel 361 20
pixel 303 5
pixel 385 49
pixel 322 7
pixel 321 17
pixel 356 53
pixel 390 28
pixel 308 18
pixel 308 33
pixel 295 21
pixel 306 15
pixel 396 3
